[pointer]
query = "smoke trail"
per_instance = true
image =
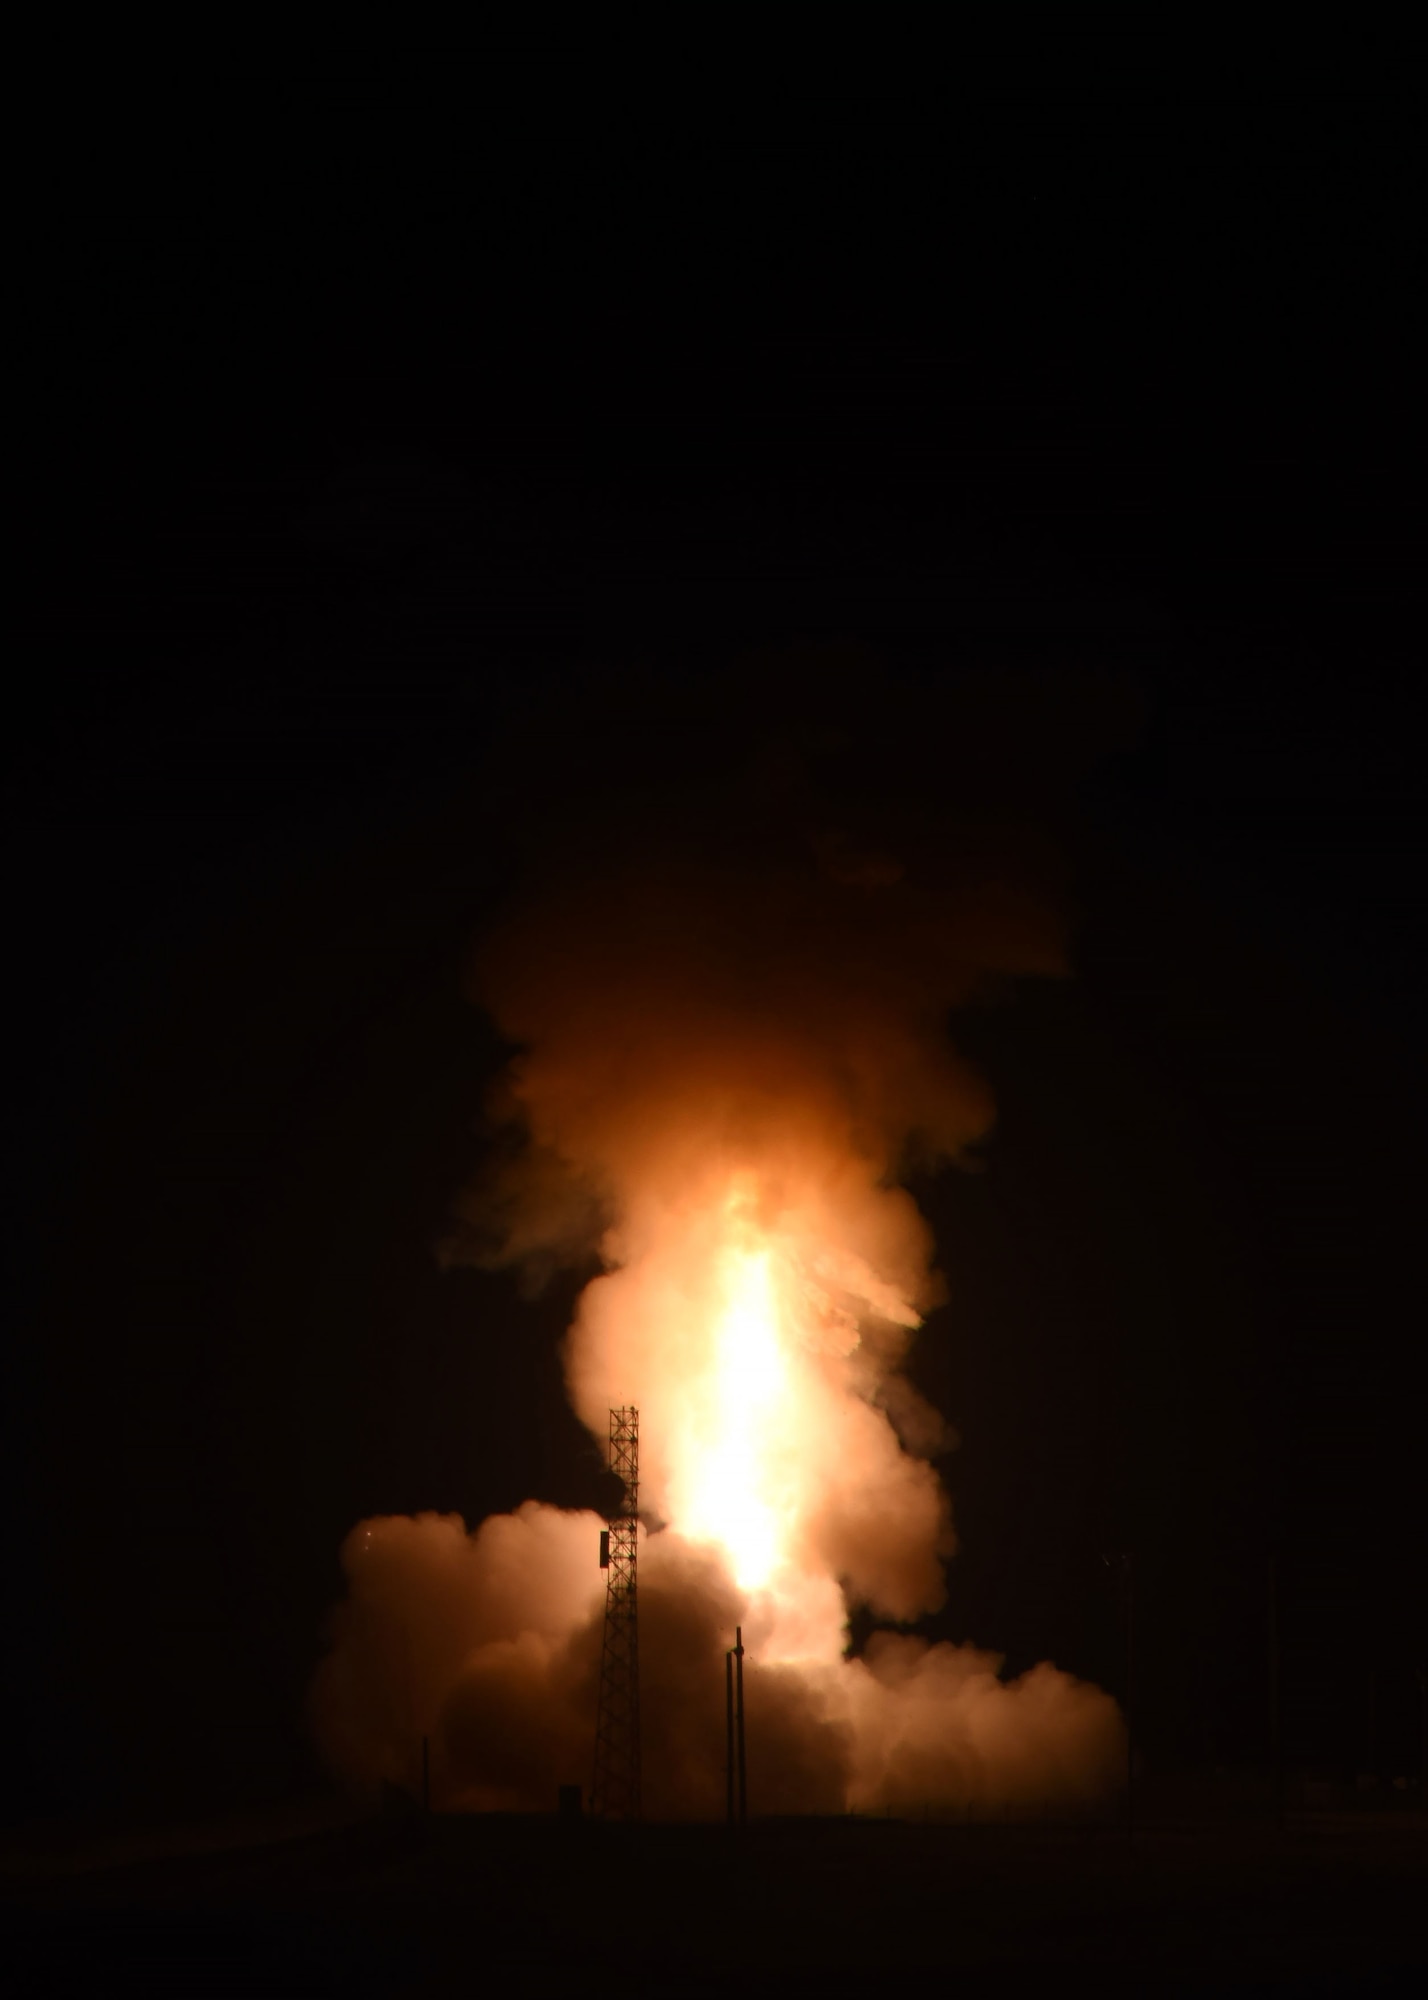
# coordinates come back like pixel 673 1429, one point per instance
pixel 729 979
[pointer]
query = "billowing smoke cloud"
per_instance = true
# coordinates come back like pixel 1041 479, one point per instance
pixel 488 1644
pixel 729 979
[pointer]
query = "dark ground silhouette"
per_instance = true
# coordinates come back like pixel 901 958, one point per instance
pixel 1198 1903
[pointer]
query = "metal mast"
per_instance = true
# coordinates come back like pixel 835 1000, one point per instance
pixel 615 1793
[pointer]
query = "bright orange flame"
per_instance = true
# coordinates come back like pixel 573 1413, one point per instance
pixel 751 1436
pixel 756 1317
pixel 730 1491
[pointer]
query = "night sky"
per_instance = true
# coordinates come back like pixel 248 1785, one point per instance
pixel 351 441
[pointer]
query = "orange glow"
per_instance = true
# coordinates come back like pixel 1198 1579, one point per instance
pixel 736 1314
pixel 733 1484
pixel 721 1073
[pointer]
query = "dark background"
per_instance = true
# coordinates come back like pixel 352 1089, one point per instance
pixel 348 428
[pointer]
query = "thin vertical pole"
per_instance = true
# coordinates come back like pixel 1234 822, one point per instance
pixel 426 1774
pixel 743 1767
pixel 729 1733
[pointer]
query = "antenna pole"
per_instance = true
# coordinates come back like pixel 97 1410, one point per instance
pixel 739 1685
pixel 729 1735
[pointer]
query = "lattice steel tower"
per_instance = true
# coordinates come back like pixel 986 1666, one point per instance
pixel 615 1793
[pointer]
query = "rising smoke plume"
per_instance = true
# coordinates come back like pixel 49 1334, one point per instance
pixel 746 919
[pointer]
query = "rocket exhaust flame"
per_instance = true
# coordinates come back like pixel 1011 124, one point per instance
pixel 746 1061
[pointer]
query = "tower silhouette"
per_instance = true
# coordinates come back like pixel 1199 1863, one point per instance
pixel 615 1793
